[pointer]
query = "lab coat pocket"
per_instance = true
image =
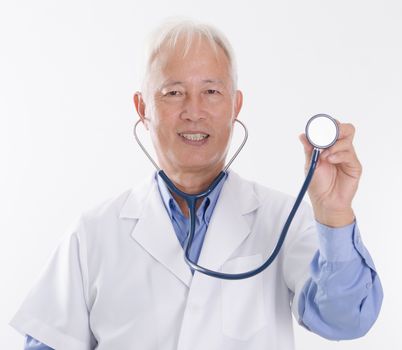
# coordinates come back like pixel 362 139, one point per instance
pixel 243 312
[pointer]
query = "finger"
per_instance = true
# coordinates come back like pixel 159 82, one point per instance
pixel 345 157
pixel 346 131
pixel 339 146
pixel 308 148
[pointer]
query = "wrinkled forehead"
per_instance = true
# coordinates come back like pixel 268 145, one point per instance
pixel 183 53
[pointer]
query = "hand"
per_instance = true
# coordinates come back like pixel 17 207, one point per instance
pixel 335 179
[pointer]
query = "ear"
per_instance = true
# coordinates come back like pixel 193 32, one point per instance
pixel 139 104
pixel 238 103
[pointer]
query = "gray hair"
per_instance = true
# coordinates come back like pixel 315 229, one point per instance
pixel 167 35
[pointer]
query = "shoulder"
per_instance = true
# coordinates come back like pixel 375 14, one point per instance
pixel 109 207
pixel 109 213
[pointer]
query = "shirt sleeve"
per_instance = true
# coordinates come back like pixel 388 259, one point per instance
pixel 33 344
pixel 56 311
pixel 343 297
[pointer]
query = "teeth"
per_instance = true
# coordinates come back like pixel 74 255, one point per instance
pixel 194 137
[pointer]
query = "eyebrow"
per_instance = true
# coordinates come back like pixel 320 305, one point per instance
pixel 170 83
pixel 216 81
pixel 178 82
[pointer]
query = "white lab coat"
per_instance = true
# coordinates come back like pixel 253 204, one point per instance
pixel 119 278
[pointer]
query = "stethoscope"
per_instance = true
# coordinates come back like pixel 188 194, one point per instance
pixel 322 132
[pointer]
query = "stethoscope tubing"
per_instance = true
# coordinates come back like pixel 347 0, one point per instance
pixel 191 200
pixel 274 254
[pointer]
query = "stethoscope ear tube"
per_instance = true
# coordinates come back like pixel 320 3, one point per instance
pixel 156 165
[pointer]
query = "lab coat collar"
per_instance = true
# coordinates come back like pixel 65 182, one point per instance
pixel 227 230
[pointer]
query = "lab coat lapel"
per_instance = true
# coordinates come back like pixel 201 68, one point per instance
pixel 154 230
pixel 228 227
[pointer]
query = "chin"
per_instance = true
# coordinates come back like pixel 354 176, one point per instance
pixel 200 166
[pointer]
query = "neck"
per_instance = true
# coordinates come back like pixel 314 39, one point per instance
pixel 191 182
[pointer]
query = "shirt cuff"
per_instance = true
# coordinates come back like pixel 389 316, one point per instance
pixel 336 244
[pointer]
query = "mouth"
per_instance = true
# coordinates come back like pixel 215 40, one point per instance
pixel 194 138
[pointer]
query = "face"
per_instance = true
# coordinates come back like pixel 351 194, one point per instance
pixel 190 109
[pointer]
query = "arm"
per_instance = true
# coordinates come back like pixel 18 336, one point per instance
pixel 33 344
pixel 56 309
pixel 343 297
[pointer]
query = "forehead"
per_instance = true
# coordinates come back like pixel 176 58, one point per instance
pixel 199 60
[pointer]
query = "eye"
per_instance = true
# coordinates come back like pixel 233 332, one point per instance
pixel 212 92
pixel 173 93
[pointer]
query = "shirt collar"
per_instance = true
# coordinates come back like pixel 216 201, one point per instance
pixel 204 211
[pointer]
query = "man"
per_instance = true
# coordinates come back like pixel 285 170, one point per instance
pixel 119 280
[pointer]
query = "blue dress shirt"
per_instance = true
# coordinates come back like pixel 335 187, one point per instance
pixel 181 222
pixel 343 297
pixel 342 275
pixel 33 344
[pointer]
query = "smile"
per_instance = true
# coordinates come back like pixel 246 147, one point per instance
pixel 194 137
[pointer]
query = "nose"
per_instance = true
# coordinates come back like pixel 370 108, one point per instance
pixel 193 108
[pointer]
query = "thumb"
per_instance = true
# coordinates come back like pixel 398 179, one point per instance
pixel 308 149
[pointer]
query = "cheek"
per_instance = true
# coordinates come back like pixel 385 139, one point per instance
pixel 162 132
pixel 164 115
pixel 225 130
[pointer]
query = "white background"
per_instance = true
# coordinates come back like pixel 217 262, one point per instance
pixel 68 71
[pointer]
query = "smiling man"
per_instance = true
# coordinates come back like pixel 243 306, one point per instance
pixel 192 107
pixel 119 280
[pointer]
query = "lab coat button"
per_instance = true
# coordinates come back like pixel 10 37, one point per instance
pixel 369 285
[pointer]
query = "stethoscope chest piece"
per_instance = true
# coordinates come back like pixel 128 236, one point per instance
pixel 322 131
